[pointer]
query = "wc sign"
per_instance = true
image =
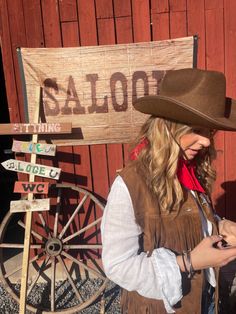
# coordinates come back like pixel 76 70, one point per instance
pixel 94 87
pixel 31 187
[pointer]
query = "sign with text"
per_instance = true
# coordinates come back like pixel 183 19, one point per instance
pixel 31 187
pixel 34 148
pixel 94 87
pixel 34 128
pixel 30 168
pixel 30 206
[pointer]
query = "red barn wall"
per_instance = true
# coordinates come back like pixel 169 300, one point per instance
pixel 66 23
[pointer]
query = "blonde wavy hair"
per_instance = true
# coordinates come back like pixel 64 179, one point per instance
pixel 160 160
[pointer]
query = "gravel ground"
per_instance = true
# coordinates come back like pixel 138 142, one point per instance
pixel 112 298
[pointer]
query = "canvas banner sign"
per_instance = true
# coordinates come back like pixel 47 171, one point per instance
pixel 94 87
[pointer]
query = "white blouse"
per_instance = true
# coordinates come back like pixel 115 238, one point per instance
pixel 157 276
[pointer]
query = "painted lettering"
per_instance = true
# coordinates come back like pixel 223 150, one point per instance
pixel 36 169
pixel 27 127
pixel 28 187
pixel 20 168
pixel 42 171
pixel 72 96
pixel 118 86
pixel 51 105
pixel 27 169
pixel 41 128
pixel 53 174
pixel 158 75
pixel 137 76
pixel 37 148
pixel 40 188
pixel 119 77
pixel 92 78
pixel 11 165
pixel 31 187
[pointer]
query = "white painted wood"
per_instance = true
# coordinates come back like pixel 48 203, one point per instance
pixel 35 148
pixel 30 206
pixel 32 168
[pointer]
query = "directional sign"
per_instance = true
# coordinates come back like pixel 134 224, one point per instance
pixel 31 168
pixel 30 206
pixel 34 128
pixel 31 148
pixel 31 187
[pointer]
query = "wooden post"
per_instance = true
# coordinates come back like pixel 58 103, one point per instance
pixel 28 223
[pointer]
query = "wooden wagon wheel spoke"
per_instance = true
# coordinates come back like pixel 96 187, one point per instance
pixel 53 280
pixel 70 279
pixel 89 269
pixel 94 263
pixel 82 246
pixel 82 230
pixel 19 246
pixel 73 216
pixel 47 230
pixel 55 227
pixel 36 234
pixel 20 267
pixel 44 264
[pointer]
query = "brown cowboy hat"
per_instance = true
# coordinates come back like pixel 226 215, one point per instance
pixel 193 97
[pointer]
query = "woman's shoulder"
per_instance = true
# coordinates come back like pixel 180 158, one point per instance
pixel 132 168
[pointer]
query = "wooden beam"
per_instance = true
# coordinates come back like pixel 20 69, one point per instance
pixel 28 222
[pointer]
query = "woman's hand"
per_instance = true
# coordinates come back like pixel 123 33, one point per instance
pixel 209 253
pixel 227 229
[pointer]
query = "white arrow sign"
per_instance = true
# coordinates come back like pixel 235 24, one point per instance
pixel 27 206
pixel 30 168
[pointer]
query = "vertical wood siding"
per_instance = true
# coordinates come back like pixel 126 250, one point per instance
pixel 71 23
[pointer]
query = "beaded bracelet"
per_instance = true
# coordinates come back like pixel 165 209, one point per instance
pixel 189 269
pixel 183 258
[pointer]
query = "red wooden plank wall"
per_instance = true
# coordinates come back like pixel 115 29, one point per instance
pixel 58 23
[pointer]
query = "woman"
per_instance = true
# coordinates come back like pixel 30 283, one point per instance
pixel 162 241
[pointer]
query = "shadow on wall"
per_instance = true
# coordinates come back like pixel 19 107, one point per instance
pixel 7 178
pixel 227 273
pixel 227 200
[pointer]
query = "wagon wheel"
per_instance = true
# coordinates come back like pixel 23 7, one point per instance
pixel 65 273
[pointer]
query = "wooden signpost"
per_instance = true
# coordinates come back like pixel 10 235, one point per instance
pixel 34 148
pixel 33 169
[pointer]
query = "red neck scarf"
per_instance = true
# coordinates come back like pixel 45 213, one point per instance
pixel 185 170
pixel 187 177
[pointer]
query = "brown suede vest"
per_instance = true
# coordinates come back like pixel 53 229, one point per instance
pixel 175 232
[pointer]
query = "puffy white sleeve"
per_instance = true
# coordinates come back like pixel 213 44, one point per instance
pixel 157 276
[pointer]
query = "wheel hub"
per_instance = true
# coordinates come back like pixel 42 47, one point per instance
pixel 53 247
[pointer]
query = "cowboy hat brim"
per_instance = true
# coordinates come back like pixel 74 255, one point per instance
pixel 171 109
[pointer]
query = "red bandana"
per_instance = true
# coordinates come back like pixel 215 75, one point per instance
pixel 186 175
pixel 135 152
pixel 185 171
